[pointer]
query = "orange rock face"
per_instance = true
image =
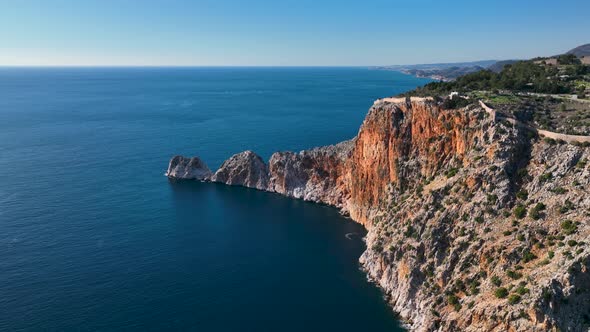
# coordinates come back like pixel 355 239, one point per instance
pixel 397 140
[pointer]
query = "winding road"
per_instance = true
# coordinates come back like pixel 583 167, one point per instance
pixel 546 133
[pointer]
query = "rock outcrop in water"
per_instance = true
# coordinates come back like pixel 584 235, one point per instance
pixel 188 168
pixel 243 169
pixel 473 224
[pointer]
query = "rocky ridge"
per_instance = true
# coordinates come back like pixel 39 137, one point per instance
pixel 473 223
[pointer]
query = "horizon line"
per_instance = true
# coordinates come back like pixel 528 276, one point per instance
pixel 190 66
pixel 228 66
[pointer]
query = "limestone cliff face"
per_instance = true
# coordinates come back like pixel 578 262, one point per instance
pixel 318 175
pixel 398 144
pixel 473 224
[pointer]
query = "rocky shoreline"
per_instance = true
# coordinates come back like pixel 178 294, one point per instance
pixel 473 224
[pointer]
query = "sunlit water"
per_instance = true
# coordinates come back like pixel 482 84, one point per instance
pixel 94 237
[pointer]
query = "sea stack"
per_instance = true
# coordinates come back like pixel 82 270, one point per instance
pixel 188 168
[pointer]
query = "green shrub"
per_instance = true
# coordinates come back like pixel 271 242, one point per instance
pixel 520 211
pixel 569 227
pixel 545 177
pixel 452 172
pixel 452 299
pixel 513 274
pixel 528 256
pixel 501 292
pixel 462 231
pixel 521 290
pixel 409 232
pixel 513 298
pixel 455 102
pixel 474 287
pixel 377 247
pixel 535 212
pixel 522 194
pixel 496 281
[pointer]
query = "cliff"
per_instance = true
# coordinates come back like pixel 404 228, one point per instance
pixel 473 223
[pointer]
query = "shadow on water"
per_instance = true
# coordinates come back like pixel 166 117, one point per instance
pixel 283 263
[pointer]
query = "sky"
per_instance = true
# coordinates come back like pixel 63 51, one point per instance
pixel 285 32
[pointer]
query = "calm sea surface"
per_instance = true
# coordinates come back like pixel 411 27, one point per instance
pixel 94 237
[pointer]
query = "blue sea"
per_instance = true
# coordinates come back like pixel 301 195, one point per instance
pixel 94 237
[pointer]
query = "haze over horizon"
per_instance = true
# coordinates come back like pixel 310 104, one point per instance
pixel 290 33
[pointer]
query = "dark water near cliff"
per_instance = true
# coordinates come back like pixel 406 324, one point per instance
pixel 94 237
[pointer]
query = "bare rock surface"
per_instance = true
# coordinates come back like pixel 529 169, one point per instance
pixel 317 175
pixel 243 169
pixel 188 168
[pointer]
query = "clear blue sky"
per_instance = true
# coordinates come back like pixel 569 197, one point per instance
pixel 298 32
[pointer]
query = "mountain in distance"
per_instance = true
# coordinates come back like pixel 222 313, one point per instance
pixel 452 70
pixel 499 65
pixel 446 65
pixel 444 71
pixel 580 51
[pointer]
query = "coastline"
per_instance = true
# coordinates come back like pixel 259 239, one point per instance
pixel 400 169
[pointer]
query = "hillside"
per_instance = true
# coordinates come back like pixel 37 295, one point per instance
pixel 441 71
pixel 499 66
pixel 580 51
pixel 444 74
pixel 546 96
pixel 450 71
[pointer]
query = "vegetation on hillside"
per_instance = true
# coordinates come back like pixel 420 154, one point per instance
pixel 522 76
pixel 548 93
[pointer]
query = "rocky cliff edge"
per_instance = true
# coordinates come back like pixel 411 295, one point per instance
pixel 473 224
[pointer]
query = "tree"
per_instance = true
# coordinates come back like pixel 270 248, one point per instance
pixel 568 59
pixel 581 92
